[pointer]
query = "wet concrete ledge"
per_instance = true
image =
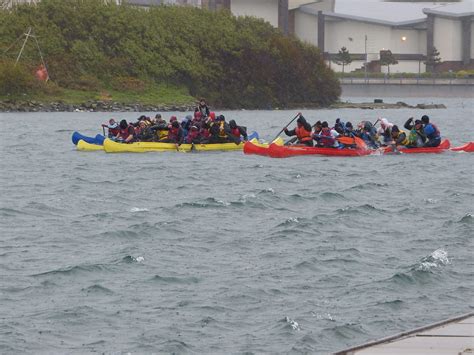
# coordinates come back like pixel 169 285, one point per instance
pixel 452 336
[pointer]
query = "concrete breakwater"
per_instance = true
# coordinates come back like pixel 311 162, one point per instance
pixel 394 89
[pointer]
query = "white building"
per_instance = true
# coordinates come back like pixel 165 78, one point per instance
pixel 408 30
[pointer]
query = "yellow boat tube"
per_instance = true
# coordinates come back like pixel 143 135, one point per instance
pixel 87 147
pixel 142 147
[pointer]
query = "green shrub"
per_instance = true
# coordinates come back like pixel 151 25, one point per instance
pixel 85 82
pixel 234 62
pixel 16 79
pixel 129 84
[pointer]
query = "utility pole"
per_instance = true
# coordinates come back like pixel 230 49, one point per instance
pixel 27 35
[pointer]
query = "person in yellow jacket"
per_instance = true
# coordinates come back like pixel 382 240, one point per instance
pixel 399 137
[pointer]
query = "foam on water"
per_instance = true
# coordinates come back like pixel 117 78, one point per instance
pixel 139 210
pixel 436 259
pixel 293 324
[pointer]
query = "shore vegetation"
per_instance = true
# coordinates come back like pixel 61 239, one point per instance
pixel 165 54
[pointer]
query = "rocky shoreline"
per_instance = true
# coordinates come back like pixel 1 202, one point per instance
pixel 106 106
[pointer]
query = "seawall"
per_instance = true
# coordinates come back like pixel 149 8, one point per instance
pixel 407 88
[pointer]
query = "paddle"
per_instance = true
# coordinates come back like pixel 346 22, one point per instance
pixel 103 130
pixel 294 118
pixel 291 141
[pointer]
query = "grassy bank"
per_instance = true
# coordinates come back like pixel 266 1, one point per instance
pixel 160 95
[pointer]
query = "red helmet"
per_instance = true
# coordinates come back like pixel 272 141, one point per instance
pixel 212 116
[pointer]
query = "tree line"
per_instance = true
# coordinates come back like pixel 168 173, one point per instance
pixel 234 62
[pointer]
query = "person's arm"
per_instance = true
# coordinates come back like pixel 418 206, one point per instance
pixel 180 137
pixel 401 138
pixel 408 124
pixel 131 135
pixel 290 133
pixel 243 133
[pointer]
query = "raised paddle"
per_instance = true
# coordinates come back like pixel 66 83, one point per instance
pixel 278 135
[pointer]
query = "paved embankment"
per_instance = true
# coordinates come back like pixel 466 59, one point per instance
pixel 408 87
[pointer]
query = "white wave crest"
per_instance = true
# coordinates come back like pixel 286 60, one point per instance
pixel 436 259
pixel 138 209
pixel 247 197
pixel 224 203
pixel 294 324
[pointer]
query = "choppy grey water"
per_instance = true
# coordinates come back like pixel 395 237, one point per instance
pixel 227 253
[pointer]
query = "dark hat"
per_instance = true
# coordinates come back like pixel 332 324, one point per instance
pixel 324 124
pixel 158 115
pixel 418 122
pixel 395 128
pixel 425 119
pixel 349 124
pixel 301 120
pixel 175 124
pixel 123 124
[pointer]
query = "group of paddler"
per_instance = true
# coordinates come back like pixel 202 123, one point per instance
pixel 204 127
pixel 419 133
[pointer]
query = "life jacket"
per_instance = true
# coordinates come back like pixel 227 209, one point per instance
pixel 406 141
pixel 173 133
pixel 235 132
pixel 327 140
pixel 205 133
pixel 114 131
pixel 192 135
pixel 162 133
pixel 303 134
pixel 222 133
pixel 436 132
pixel 125 133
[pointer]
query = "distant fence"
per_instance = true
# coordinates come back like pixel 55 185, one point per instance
pixel 406 81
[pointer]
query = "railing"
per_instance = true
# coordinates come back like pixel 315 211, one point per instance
pixel 407 80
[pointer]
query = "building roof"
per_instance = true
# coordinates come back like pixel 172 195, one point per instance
pixel 460 9
pixel 395 14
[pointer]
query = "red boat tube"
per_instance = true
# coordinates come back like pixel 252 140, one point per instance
pixel 468 147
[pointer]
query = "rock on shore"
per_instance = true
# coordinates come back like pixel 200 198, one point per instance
pixel 90 106
pixel 108 106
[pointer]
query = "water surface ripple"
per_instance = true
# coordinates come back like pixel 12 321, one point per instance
pixel 226 253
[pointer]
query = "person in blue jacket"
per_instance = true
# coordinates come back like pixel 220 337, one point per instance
pixel 431 131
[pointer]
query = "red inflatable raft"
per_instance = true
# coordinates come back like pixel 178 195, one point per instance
pixel 445 144
pixel 468 147
pixel 278 151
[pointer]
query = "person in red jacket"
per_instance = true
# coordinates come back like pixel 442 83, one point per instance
pixel 238 131
pixel 303 132
pixel 127 132
pixel 193 136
